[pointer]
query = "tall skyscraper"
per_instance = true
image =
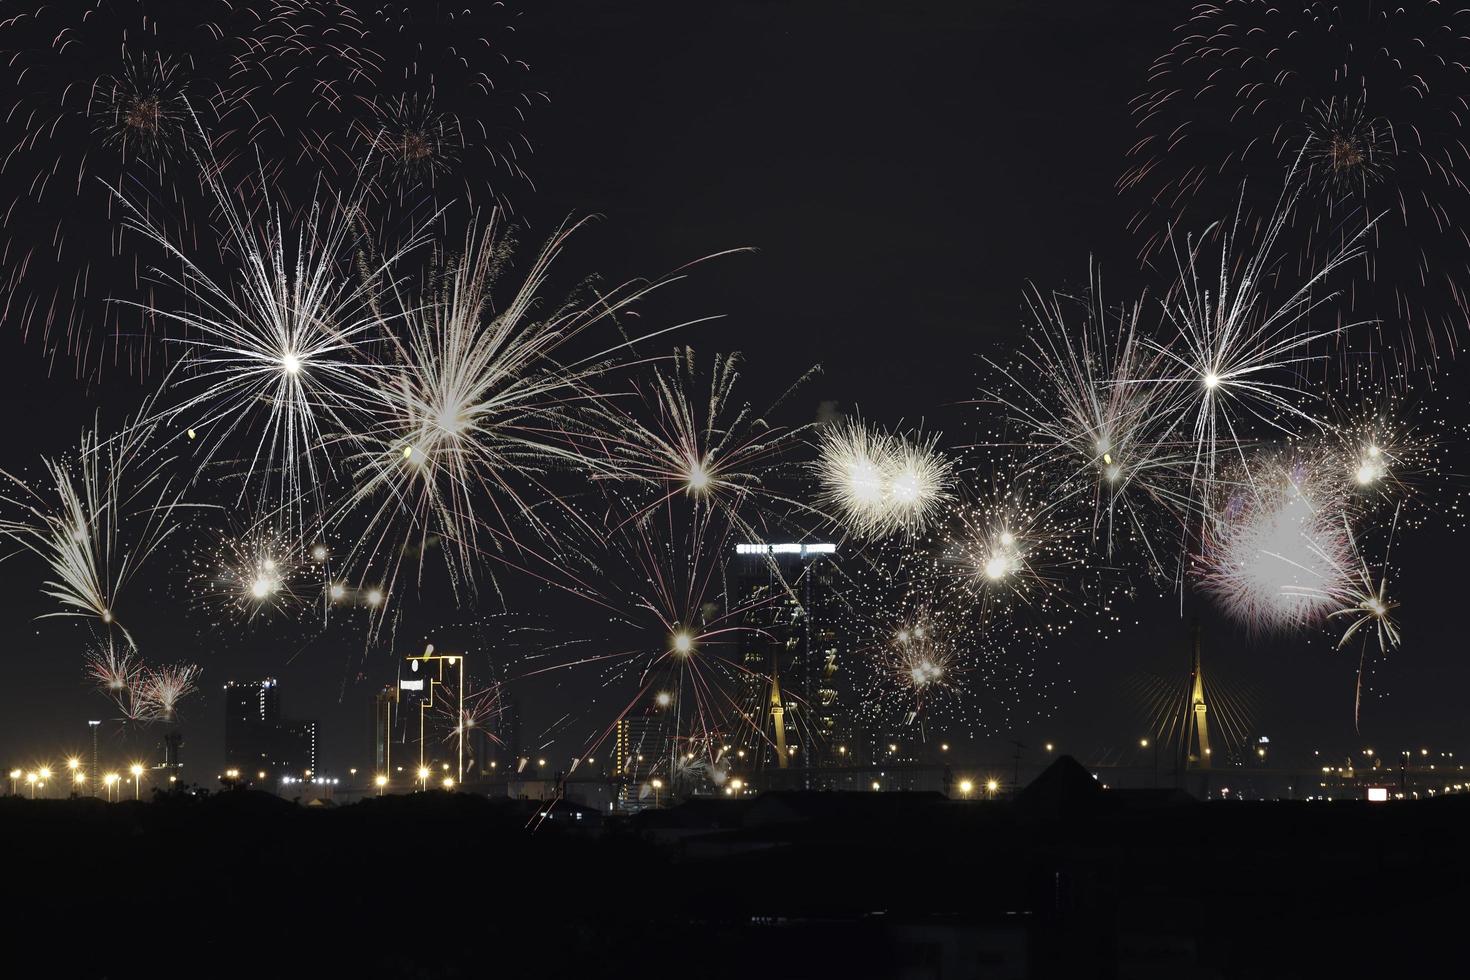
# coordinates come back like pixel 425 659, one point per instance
pixel 95 772
pixel 798 696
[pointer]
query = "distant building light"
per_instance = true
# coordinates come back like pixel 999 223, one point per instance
pixel 405 685
pixel 1377 794
pixel 786 549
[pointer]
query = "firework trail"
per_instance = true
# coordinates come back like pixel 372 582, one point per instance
pixel 474 415
pixel 1079 403
pixel 1235 360
pixel 1369 100
pixel 103 514
pixel 276 344
pixel 103 95
pixel 448 113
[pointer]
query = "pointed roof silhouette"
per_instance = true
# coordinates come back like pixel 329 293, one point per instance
pixel 1064 788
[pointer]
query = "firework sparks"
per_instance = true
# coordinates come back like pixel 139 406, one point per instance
pixel 1082 406
pixel 99 520
pixel 163 688
pixel 474 410
pixel 877 483
pixel 276 345
pixel 1235 360
pixel 1362 106
pixel 117 672
pixel 1276 551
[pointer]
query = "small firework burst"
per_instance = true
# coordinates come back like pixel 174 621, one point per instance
pixel 411 141
pixel 144 111
pixel 163 688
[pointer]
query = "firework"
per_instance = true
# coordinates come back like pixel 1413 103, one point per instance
pixel 296 80
pixel 103 514
pixel 1277 548
pixel 876 483
pixel 164 687
pixel 447 115
pixel 275 345
pixel 685 434
pixel 256 571
pixel 104 95
pixel 1234 366
pixel 1371 98
pixel 1080 404
pixel 116 672
pixel 473 413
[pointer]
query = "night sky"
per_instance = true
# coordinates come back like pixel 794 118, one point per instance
pixel 902 172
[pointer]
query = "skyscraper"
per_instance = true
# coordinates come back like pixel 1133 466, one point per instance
pixel 797 696
pixel 639 745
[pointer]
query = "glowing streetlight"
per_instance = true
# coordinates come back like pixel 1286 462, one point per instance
pixel 991 786
pixel 424 774
pixel 449 782
pixel 966 788
pixel 380 781
pixel 137 772
pixel 31 782
pixel 110 781
pixel 15 775
pixel 657 785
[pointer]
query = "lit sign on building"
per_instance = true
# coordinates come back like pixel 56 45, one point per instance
pixel 417 685
pixel 1377 794
pixel 785 549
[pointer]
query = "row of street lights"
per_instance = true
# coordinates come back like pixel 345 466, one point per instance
pixel 37 779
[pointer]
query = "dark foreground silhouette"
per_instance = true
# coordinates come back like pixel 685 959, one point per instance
pixel 1068 881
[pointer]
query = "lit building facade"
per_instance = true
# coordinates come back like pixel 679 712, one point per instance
pixel 798 698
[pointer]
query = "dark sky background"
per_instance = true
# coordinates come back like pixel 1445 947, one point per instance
pixel 903 170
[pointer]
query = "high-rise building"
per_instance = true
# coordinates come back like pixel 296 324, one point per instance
pixel 94 774
pixel 639 745
pixel 798 697
pixel 297 747
pixel 258 739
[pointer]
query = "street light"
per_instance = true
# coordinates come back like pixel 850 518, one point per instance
pixel 31 782
pixel 657 785
pixel 137 772
pixel 966 788
pixel 991 786
pixel 424 776
pixel 380 781
pixel 15 775
pixel 449 782
pixel 110 781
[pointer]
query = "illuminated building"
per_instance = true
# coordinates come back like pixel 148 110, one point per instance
pixel 798 697
pixel 639 744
